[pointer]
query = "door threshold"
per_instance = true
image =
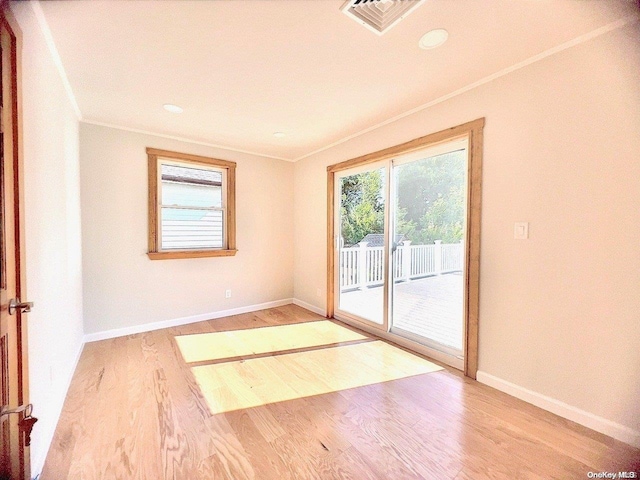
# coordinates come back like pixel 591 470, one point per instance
pixel 450 360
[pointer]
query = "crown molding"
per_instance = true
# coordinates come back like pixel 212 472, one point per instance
pixel 35 4
pixel 55 56
pixel 182 139
pixel 517 66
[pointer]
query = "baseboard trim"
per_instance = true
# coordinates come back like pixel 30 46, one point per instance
pixel 309 307
pixel 38 464
pixel 587 419
pixel 176 322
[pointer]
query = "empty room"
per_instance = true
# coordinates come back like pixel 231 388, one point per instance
pixel 319 239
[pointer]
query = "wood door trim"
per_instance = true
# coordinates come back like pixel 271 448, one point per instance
pixel 415 144
pixel 473 130
pixel 330 244
pixel 9 22
pixel 17 172
pixel 472 255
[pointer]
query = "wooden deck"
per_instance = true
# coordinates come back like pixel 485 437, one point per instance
pixel 430 307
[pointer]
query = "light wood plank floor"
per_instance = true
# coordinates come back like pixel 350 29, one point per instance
pixel 136 410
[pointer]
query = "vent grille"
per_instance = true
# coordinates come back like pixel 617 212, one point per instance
pixel 379 15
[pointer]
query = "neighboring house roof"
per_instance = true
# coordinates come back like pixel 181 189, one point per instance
pixel 377 239
pixel 191 175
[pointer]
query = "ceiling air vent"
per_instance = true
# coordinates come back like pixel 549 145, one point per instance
pixel 379 15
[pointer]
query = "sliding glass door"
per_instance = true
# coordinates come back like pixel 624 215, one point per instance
pixel 429 221
pixel 404 243
pixel 400 246
pixel 361 251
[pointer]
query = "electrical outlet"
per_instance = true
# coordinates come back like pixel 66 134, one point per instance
pixel 318 293
pixel 227 294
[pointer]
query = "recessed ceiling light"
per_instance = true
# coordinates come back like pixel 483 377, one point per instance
pixel 279 134
pixel 434 38
pixel 173 108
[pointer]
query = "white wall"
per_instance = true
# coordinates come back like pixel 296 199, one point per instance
pixel 124 288
pixel 559 313
pixel 52 228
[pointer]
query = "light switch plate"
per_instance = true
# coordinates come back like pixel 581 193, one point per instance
pixel 521 230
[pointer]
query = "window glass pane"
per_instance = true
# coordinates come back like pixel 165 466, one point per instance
pixel 191 229
pixel 192 187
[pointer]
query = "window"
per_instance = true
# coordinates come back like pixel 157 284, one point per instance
pixel 191 206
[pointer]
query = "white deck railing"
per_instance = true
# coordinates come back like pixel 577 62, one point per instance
pixel 363 266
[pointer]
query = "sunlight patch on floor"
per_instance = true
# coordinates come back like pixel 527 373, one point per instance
pixel 235 343
pixel 260 381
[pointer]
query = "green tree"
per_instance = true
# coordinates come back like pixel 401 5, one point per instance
pixel 443 219
pixel 429 201
pixel 362 206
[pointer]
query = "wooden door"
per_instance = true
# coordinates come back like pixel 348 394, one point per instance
pixel 14 455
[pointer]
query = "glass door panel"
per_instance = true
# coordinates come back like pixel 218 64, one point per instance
pixel 428 251
pixel 360 257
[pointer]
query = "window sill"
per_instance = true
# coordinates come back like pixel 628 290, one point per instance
pixel 190 254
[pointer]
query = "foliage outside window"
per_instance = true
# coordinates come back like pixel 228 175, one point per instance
pixel 191 206
pixel 430 204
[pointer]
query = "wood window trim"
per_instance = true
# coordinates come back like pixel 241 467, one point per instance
pixel 474 132
pixel 154 252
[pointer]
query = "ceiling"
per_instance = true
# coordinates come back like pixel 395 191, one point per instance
pixel 244 69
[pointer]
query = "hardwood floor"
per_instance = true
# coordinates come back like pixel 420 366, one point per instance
pixel 137 410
